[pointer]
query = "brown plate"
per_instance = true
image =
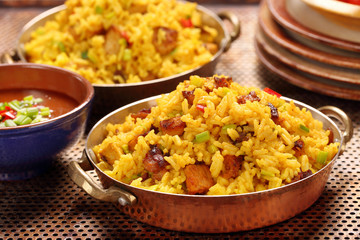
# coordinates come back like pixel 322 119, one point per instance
pixel 342 75
pixel 313 19
pixel 281 15
pixel 342 13
pixel 277 34
pixel 312 83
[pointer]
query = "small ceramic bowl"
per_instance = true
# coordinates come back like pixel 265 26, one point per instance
pixel 28 150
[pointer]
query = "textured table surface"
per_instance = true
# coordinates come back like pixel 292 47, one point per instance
pixel 51 206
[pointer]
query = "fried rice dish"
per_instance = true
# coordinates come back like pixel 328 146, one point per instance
pixel 119 41
pixel 212 136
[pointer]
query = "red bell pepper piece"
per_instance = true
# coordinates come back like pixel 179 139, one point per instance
pixel 186 23
pixel 272 92
pixel 126 37
pixel 9 115
pixel 200 107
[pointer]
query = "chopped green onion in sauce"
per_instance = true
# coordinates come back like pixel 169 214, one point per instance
pixel 26 111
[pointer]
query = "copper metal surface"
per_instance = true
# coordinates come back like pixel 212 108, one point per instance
pixel 51 206
pixel 108 97
pixel 206 214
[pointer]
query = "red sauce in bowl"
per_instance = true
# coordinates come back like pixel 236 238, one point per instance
pixel 59 103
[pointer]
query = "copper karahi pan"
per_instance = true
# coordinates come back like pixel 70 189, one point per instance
pixel 112 96
pixel 201 213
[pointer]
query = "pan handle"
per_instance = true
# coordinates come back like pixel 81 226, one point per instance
pixel 9 57
pixel 341 116
pixel 236 27
pixel 77 172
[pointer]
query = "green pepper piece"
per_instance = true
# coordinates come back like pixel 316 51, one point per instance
pixel 322 157
pixel 99 10
pixel 267 173
pixel 84 55
pixel 304 128
pixel 125 148
pixel 202 137
pixel 226 127
pixel 127 54
pixel 212 149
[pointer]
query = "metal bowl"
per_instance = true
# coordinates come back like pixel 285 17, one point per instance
pixel 28 150
pixel 112 96
pixel 206 214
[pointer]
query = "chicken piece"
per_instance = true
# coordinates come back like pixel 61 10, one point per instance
pixel 211 47
pixel 133 142
pixel 302 175
pixel 138 7
pixel 242 137
pixel 232 166
pixel 298 147
pixel 149 77
pixel 222 81
pixel 173 126
pixel 164 40
pixel 198 179
pixel 208 86
pixel 112 40
pixel 141 114
pixel 274 113
pixel 112 45
pixel 110 153
pixel 155 163
pixel 119 75
pixel 206 37
pixel 189 95
pixel 250 97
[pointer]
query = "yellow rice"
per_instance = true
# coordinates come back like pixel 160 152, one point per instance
pixel 269 158
pixel 76 40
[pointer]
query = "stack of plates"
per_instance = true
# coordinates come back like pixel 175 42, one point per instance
pixel 304 48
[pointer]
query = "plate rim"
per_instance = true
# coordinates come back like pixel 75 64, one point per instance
pixel 293 77
pixel 283 17
pixel 273 30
